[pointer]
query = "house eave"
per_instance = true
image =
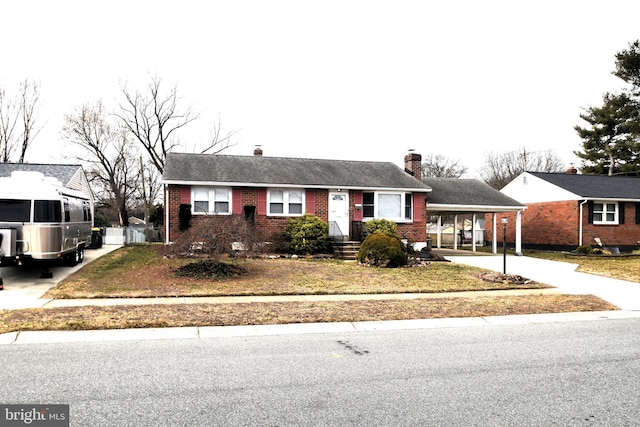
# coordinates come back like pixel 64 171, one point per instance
pixel 279 185
pixel 609 199
pixel 472 208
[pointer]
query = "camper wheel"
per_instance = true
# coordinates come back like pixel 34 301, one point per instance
pixel 76 257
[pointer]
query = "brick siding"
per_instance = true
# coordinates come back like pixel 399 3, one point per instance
pixel 557 224
pixel 274 225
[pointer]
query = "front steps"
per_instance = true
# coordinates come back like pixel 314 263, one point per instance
pixel 346 250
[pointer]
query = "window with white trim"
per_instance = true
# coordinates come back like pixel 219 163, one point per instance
pixel 211 200
pixel 605 213
pixel 285 202
pixel 394 206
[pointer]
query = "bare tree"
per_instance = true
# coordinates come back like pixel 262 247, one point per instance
pixel 154 118
pixel 110 154
pixel 8 119
pixel 501 168
pixel 440 166
pixel 16 111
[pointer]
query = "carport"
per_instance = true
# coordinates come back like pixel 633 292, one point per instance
pixel 463 197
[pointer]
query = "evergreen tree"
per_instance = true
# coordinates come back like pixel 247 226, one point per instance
pixel 610 142
pixel 628 66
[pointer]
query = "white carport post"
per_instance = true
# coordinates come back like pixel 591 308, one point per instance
pixel 494 232
pixel 518 233
pixel 439 233
pixel 473 232
pixel 455 232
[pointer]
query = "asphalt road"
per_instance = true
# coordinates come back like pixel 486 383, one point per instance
pixel 569 374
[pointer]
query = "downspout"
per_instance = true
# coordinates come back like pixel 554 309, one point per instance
pixel 166 214
pixel 580 222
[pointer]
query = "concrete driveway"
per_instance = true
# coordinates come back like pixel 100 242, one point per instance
pixel 23 286
pixel 562 275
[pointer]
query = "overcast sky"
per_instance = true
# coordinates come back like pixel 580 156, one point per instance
pixel 352 80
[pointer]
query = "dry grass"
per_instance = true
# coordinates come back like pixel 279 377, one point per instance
pixel 139 271
pixel 617 267
pixel 142 272
pixel 175 315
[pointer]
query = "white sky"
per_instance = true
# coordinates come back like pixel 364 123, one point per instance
pixel 352 80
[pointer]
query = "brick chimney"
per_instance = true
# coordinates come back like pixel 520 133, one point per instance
pixel 413 165
pixel 572 170
pixel 257 151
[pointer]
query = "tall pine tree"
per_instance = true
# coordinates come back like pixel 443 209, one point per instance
pixel 611 142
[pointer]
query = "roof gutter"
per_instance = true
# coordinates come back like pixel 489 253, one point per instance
pixel 473 208
pixel 277 185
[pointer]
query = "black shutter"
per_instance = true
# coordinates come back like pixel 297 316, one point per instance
pixel 637 213
pixel 590 210
pixel 621 213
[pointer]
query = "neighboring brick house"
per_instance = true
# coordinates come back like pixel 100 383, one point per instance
pixel 567 210
pixel 270 190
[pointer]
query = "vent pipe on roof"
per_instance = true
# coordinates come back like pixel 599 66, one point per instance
pixel 257 151
pixel 572 170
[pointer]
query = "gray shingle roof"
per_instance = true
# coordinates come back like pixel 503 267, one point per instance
pixel 595 186
pixel 466 192
pixel 285 171
pixel 64 173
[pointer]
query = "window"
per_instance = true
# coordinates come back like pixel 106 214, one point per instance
pixel 67 210
pixel 15 210
pixel 387 205
pixel 211 200
pixel 605 213
pixel 285 202
pixel 47 211
pixel 368 205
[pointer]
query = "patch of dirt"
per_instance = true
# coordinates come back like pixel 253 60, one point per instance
pixel 512 279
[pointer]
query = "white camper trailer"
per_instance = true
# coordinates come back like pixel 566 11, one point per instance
pixel 41 219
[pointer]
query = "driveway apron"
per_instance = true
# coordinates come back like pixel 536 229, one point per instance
pixel 562 275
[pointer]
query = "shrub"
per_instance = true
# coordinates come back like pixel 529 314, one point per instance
pixel 382 250
pixel 215 236
pixel 308 234
pixel 381 226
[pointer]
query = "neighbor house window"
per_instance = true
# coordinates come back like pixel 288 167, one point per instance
pixel 285 202
pixel 387 205
pixel 605 213
pixel 211 200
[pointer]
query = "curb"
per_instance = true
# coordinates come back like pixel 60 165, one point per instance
pixel 204 332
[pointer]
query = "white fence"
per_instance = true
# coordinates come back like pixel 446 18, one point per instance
pixel 129 235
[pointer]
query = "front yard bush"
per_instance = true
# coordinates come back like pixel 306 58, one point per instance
pixel 308 234
pixel 381 226
pixel 382 250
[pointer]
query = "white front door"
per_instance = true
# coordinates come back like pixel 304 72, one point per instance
pixel 339 213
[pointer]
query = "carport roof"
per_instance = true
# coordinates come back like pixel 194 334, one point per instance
pixel 467 195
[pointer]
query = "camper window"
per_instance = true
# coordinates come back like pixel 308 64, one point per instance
pixel 15 210
pixel 47 211
pixel 67 211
